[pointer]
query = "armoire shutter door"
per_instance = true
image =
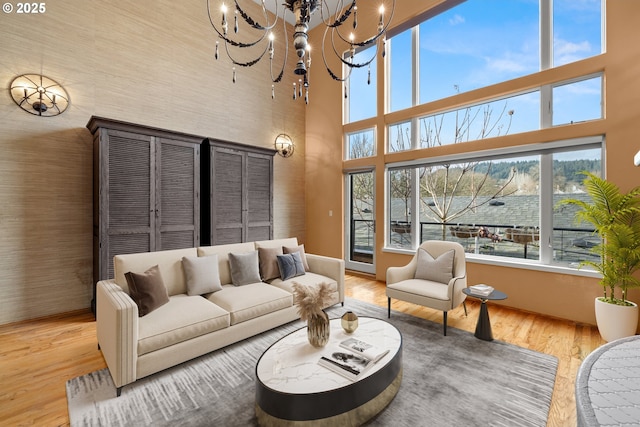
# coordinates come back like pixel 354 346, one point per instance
pixel 227 215
pixel 131 201
pixel 179 215
pixel 259 216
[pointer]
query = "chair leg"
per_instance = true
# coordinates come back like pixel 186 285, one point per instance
pixel 389 307
pixel 444 322
pixel 464 304
pixel 118 391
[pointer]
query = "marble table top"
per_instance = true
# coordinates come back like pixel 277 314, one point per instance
pixel 291 364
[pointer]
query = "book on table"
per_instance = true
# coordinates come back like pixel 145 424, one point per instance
pixel 363 348
pixel 353 358
pixel 482 290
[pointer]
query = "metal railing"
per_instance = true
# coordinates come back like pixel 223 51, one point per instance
pixel 570 245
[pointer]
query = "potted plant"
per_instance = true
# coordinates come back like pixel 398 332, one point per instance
pixel 615 217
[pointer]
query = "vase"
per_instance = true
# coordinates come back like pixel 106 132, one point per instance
pixel 318 330
pixel 349 322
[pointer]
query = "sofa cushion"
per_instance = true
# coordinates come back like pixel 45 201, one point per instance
pixel 269 262
pixel 169 262
pixel 290 265
pixel 182 318
pixel 147 290
pixel 436 270
pixel 244 268
pixel 300 250
pixel 251 301
pixel 308 279
pixel 223 252
pixel 201 274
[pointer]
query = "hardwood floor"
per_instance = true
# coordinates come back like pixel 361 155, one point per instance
pixel 38 357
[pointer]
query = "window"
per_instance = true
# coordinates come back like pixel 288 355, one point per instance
pixel 400 137
pixel 400 71
pixel 361 100
pixel 478 43
pixel 576 30
pixel 496 206
pixel 577 101
pixel 360 144
pixel 518 113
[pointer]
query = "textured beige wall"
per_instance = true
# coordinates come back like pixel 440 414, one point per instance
pixel 559 295
pixel 147 62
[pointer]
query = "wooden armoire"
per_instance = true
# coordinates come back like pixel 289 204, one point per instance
pixel 146 191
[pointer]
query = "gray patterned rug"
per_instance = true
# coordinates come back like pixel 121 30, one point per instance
pixel 457 380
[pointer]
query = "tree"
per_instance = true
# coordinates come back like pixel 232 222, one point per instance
pixel 440 184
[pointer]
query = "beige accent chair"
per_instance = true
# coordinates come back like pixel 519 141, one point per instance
pixel 402 284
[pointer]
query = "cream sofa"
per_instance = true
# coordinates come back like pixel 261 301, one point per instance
pixel 190 326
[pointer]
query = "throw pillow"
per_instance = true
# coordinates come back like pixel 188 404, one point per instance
pixel 290 265
pixel 437 270
pixel 147 290
pixel 244 268
pixel 201 274
pixel 299 249
pixel 269 262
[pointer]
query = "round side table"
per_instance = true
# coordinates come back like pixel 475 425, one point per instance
pixel 483 327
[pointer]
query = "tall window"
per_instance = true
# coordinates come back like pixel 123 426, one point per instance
pixel 360 89
pixel 496 206
pixel 478 43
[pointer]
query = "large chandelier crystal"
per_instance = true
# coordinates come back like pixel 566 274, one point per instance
pixel 256 36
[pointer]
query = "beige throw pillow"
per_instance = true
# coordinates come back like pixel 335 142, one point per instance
pixel 147 290
pixel 201 274
pixel 300 249
pixel 269 262
pixel 436 270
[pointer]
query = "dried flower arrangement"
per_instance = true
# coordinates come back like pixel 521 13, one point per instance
pixel 311 299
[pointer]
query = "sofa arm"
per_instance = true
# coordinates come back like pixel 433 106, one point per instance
pixel 398 274
pixel 330 267
pixel 117 327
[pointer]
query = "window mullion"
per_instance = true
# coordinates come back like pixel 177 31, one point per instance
pixel 546 208
pixel 546 34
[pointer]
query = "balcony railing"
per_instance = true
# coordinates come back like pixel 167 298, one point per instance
pixel 570 245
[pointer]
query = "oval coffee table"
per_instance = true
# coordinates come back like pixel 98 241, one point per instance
pixel 293 390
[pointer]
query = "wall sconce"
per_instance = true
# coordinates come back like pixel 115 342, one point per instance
pixel 39 95
pixel 284 145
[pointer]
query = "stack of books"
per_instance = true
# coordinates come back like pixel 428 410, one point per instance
pixel 481 290
pixel 358 357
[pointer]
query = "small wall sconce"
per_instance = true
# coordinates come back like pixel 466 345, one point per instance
pixel 284 145
pixel 39 95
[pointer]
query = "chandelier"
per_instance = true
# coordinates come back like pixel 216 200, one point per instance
pixel 256 37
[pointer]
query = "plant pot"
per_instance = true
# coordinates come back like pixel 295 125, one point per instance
pixel 616 321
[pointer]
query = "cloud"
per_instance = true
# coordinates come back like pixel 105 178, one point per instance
pixel 456 19
pixel 566 52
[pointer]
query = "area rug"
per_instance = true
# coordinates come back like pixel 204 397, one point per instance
pixel 457 380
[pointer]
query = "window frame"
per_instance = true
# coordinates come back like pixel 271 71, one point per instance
pixel 545 150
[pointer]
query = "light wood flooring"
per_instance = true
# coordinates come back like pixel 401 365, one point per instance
pixel 37 357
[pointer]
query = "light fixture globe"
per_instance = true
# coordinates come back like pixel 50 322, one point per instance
pixel 284 145
pixel 39 95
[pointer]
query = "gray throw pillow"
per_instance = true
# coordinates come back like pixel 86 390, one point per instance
pixel 290 265
pixel 436 270
pixel 244 268
pixel 147 290
pixel 269 262
pixel 201 274
pixel 299 249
